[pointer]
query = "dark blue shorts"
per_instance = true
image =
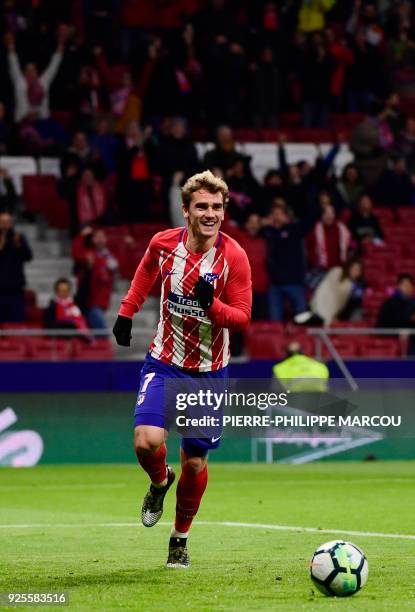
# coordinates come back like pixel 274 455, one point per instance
pixel 155 404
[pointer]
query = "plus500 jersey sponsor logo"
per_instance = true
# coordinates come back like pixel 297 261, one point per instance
pixel 184 305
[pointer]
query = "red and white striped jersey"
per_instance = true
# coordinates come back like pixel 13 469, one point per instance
pixel 187 336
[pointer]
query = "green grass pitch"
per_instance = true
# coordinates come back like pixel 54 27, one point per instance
pixel 73 529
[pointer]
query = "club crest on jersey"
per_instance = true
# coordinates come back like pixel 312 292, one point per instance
pixel 210 277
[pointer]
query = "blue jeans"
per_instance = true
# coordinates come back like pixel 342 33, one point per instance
pixel 96 318
pixel 295 295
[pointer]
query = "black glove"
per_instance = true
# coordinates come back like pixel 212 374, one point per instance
pixel 122 330
pixel 203 291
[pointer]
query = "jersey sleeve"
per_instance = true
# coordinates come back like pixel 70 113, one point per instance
pixel 143 280
pixel 236 313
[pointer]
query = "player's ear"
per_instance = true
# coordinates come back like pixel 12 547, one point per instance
pixel 185 211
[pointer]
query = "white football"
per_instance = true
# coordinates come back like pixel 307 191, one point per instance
pixel 339 568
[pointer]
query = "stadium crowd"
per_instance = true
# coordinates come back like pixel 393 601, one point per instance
pixel 120 91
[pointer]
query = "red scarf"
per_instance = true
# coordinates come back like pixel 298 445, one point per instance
pixel 323 256
pixel 68 312
pixel 35 92
pixel 91 203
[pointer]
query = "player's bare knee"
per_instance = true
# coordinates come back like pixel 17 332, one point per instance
pixel 145 443
pixel 194 465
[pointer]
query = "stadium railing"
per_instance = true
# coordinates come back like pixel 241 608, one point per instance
pixel 322 338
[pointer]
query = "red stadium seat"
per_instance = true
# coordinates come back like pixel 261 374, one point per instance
pixel 49 349
pixel 265 340
pixel 12 349
pixel 380 346
pixel 99 349
pixel 41 196
pixel 35 189
pixel 348 347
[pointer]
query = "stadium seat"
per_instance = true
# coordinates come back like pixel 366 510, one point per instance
pixel 380 346
pixel 36 189
pixel 41 196
pixel 265 340
pixel 99 349
pixel 12 349
pixel 346 346
pixel 49 349
pixel 50 166
pixel 18 168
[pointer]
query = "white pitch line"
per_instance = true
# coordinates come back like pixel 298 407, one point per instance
pixel 116 485
pixel 365 534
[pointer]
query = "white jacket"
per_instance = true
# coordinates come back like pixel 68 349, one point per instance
pixel 331 295
pixel 21 101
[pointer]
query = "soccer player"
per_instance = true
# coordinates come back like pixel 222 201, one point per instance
pixel 206 292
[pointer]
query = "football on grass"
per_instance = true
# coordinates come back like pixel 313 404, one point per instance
pixel 339 568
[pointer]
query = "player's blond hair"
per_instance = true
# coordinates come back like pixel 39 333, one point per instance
pixel 204 180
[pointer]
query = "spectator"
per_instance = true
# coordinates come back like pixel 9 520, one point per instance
pixel 398 311
pixel 394 187
pixel 8 195
pixel 364 78
pixel 176 152
pixel 135 189
pixel 91 199
pixel 95 268
pixel 78 154
pixel 395 115
pixel 104 145
pixel 14 253
pixel 273 188
pixel 126 97
pixel 364 223
pixel 243 189
pixel 285 260
pixel 254 244
pixel 406 143
pixel 302 180
pixel 4 130
pixel 62 312
pixel 311 16
pixel 266 88
pixel 339 294
pixel 329 241
pixel 31 90
pixel 371 140
pixel 224 155
pixel 316 78
pixel 343 58
pixel 67 189
pixel 91 98
pixel 349 188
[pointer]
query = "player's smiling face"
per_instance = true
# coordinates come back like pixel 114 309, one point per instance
pixel 205 213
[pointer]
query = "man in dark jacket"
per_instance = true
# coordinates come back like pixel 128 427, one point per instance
pixel 399 310
pixel 286 259
pixel 14 252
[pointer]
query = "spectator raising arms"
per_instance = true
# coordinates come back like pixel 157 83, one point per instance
pixel 31 90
